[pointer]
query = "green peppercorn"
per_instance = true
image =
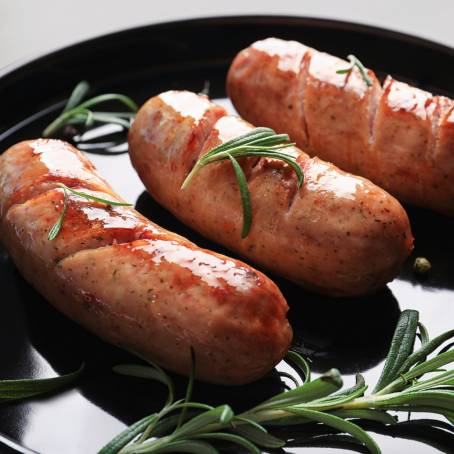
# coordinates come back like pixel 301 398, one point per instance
pixel 421 266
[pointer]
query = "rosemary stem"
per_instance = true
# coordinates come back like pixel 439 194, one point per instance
pixel 265 415
pixel 57 123
pixel 390 388
pixel 371 401
pixel 191 174
pixel 152 445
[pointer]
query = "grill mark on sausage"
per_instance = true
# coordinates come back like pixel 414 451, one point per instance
pixel 434 109
pixel 303 163
pixel 301 84
pixel 44 190
pixel 208 128
pixel 444 108
pixel 45 184
pixel 252 165
pixel 375 96
pixel 434 153
pixel 239 291
pixel 293 192
pixel 373 152
pixel 86 225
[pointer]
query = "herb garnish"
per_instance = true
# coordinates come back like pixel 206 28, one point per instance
pixel 21 389
pixel 259 142
pixel 354 61
pixel 55 230
pixel 206 88
pixel 401 387
pixel 78 112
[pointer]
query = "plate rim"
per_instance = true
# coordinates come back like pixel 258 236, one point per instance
pixel 372 30
pixel 330 24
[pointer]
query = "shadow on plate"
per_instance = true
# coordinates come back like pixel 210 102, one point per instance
pixel 350 334
pixel 435 433
pixel 433 240
pixel 65 346
pixel 354 337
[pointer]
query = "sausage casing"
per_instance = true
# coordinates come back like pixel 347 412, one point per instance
pixel 131 282
pixel 339 234
pixel 398 136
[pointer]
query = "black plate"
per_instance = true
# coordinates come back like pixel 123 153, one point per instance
pixel 352 335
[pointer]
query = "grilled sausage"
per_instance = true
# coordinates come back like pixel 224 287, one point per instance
pixel 131 282
pixel 339 234
pixel 398 136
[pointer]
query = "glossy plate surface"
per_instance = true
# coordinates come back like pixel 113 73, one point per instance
pixel 352 335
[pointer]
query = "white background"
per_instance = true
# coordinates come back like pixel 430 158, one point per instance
pixel 28 27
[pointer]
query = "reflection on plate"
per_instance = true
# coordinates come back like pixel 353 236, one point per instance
pixel 352 335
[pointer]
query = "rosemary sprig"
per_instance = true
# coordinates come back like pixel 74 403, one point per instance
pixel 21 389
pixel 354 61
pixel 259 142
pixel 55 230
pixel 194 427
pixel 78 112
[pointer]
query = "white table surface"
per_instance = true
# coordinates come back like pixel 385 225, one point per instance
pixel 28 27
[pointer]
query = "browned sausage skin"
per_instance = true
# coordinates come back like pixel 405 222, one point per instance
pixel 339 234
pixel 131 282
pixel 398 136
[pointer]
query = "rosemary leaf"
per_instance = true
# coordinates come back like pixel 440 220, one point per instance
pixel 22 389
pixel 92 197
pixel 230 438
pixel 251 422
pixel 443 400
pixel 199 422
pixel 367 414
pixel 300 365
pixel 153 372
pixel 55 229
pixel 427 366
pixel 76 111
pixel 340 424
pixel 131 432
pixel 102 118
pixel 425 350
pixel 259 437
pixel 326 384
pixel 340 398
pixel 354 61
pixel 259 142
pixel 423 334
pixel 359 387
pixel 80 91
pixel 315 401
pixel 430 365
pixel 245 197
pixel 442 379
pixel 188 446
pixel 125 100
pixel 401 347
pixel 189 388
pixel 165 425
